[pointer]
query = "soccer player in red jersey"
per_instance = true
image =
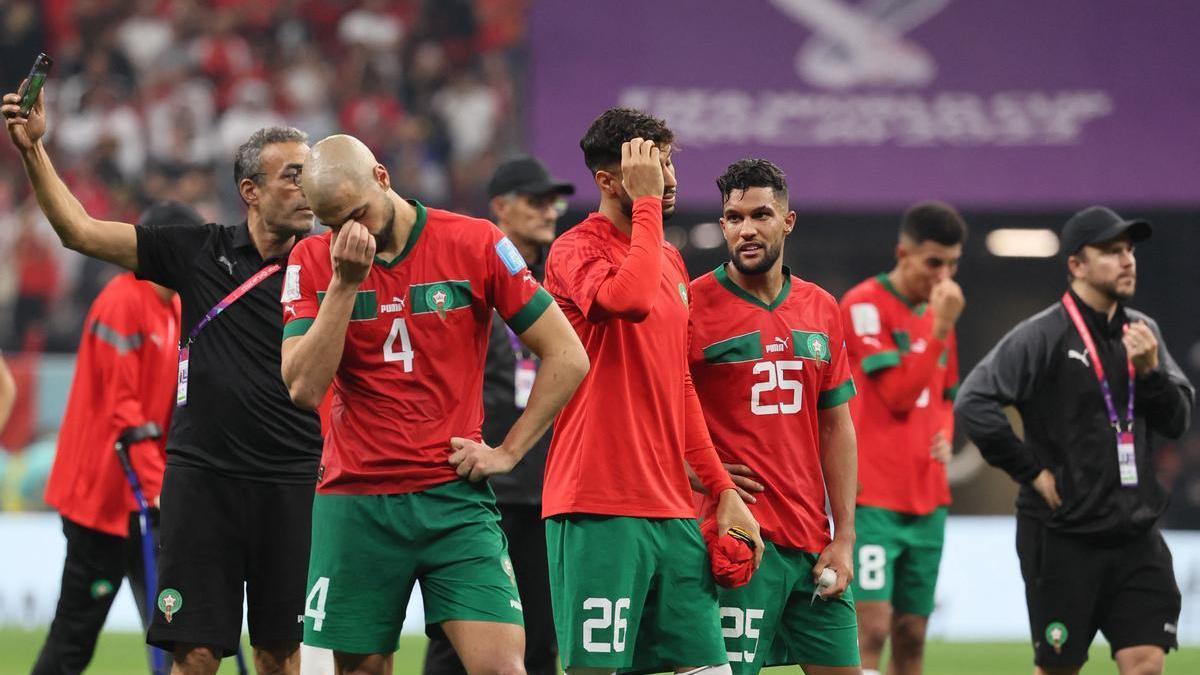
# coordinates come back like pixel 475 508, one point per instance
pixel 124 380
pixel 629 575
pixel 769 362
pixel 393 309
pixel 905 358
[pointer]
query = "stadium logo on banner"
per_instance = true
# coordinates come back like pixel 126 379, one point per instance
pixel 864 43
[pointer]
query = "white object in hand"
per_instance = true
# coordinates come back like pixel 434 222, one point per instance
pixel 828 578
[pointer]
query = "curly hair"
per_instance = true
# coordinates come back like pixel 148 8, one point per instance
pixel 751 173
pixel 933 221
pixel 602 143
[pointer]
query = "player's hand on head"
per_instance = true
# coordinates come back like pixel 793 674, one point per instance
pixel 941 449
pixel 733 512
pixel 947 301
pixel 745 481
pixel 641 169
pixel 1142 347
pixel 25 132
pixel 839 557
pixel 475 461
pixel 352 252
pixel 1047 487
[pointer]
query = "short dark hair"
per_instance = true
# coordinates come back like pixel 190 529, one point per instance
pixel 933 221
pixel 247 163
pixel 752 173
pixel 602 143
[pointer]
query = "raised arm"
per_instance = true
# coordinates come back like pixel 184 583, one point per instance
pixel 111 241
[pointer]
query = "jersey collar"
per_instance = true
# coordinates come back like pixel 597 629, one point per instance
pixel 884 281
pixel 413 235
pixel 723 279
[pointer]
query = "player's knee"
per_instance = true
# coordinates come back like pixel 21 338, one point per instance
pixel 195 659
pixel 512 665
pixel 275 659
pixel 1144 664
pixel 908 634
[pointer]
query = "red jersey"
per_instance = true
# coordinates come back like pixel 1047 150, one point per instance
pixel 763 373
pixel 411 375
pixel 619 445
pixel 124 377
pixel 895 468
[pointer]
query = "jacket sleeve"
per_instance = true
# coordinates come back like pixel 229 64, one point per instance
pixel 1008 375
pixel 1165 395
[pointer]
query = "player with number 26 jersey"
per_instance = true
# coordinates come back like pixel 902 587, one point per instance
pixel 415 348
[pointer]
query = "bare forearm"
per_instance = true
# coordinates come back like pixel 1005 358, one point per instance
pixel 8 394
pixel 558 376
pixel 111 241
pixel 311 360
pixel 839 464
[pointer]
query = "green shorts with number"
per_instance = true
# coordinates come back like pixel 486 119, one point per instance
pixel 774 621
pixel 632 594
pixel 369 550
pixel 897 556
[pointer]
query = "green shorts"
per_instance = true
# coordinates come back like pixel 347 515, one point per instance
pixel 897 557
pixel 632 594
pixel 773 620
pixel 368 550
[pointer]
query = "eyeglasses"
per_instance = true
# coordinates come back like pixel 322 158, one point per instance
pixel 294 176
pixel 543 202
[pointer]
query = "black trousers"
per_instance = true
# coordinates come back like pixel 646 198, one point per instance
pixel 96 565
pixel 522 524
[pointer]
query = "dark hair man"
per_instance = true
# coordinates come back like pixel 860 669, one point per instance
pixel 392 310
pixel 624 546
pixel 1094 383
pixel 526 204
pixel 905 357
pixel 241 458
pixel 769 361
pixel 124 379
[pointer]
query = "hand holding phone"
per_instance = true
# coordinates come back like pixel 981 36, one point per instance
pixel 32 86
pixel 24 117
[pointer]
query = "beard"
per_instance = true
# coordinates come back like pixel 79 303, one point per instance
pixel 387 235
pixel 627 208
pixel 1116 290
pixel 770 255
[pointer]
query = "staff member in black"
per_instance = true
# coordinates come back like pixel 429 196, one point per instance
pixel 241 459
pixel 526 204
pixel 1093 382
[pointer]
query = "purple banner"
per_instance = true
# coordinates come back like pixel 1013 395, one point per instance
pixel 878 103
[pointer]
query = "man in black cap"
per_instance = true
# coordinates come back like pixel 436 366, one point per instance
pixel 526 204
pixel 1093 383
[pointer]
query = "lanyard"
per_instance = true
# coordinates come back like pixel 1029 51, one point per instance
pixel 186 348
pixel 233 297
pixel 1090 345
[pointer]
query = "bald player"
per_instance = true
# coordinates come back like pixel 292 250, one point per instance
pixel 393 309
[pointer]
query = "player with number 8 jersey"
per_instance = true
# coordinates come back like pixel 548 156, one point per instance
pixel 393 309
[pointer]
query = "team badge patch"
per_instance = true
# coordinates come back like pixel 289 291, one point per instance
pixel 436 297
pixel 170 601
pixel 809 345
pixel 101 588
pixel 683 293
pixel 291 284
pixel 1056 635
pixel 865 318
pixel 510 256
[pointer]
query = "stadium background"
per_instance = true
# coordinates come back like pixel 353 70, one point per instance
pixel 1017 112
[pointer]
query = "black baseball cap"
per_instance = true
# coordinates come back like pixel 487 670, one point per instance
pixel 1097 224
pixel 528 176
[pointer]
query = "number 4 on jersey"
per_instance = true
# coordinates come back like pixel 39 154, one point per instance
pixel 405 355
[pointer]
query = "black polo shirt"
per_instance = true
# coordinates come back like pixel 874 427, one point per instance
pixel 239 419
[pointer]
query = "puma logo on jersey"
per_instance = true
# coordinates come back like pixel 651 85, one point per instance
pixel 1083 358
pixel 396 305
pixel 290 309
pixel 920 346
pixel 779 345
pixel 227 263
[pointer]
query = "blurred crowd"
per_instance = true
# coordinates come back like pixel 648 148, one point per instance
pixel 149 98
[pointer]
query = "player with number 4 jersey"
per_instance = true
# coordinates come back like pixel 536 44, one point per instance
pixel 393 309
pixel 769 363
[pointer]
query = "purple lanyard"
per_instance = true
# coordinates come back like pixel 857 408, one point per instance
pixel 230 299
pixel 1098 368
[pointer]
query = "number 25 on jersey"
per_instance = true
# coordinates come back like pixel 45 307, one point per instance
pixel 776 373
